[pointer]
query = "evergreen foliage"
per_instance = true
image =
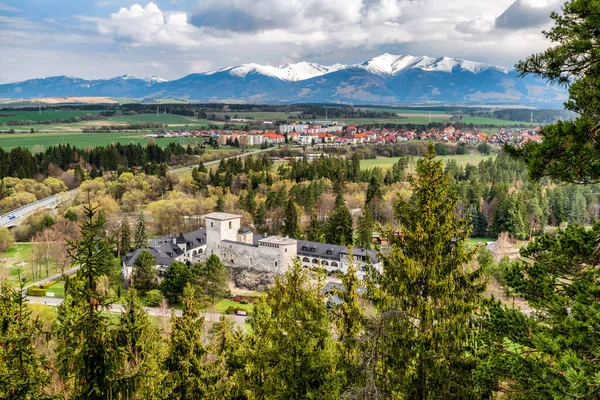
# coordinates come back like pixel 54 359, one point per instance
pixel 141 234
pixel 213 277
pixel 145 276
pixel 422 344
pixel 338 228
pixel 291 223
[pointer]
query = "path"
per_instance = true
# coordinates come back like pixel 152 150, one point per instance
pixel 153 311
pixel 52 278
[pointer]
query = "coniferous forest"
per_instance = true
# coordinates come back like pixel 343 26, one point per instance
pixel 422 327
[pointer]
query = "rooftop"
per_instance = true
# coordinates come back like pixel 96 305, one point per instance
pixel 278 240
pixel 221 216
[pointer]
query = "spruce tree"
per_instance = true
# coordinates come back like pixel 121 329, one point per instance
pixel 422 341
pixel 291 225
pixel 24 371
pixel 125 237
pixel 338 228
pixel 214 278
pixel 141 234
pixel 220 206
pixel 87 355
pixel 366 225
pixel 314 230
pixel 139 341
pixel 145 276
pixel 290 353
pixel 184 363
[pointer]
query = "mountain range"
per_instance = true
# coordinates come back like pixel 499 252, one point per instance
pixel 386 79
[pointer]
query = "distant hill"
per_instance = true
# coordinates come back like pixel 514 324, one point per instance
pixel 386 79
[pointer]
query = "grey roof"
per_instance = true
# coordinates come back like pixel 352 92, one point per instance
pixel 332 251
pixel 165 250
pixel 244 229
pixel 221 216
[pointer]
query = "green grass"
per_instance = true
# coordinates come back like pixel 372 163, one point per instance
pixel 81 140
pixel 8 267
pixel 58 289
pixel 160 118
pixel 387 163
pixel 224 304
pixel 257 116
pixel 46 115
pixel 404 110
pixel 476 241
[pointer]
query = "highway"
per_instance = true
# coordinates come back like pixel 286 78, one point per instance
pixel 15 217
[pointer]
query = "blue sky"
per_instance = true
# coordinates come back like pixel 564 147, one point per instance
pixel 172 38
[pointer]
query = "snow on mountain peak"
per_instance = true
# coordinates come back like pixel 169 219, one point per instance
pixel 389 64
pixel 155 79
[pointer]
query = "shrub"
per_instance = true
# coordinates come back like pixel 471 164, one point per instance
pixel 244 301
pixel 154 298
pixel 233 310
pixel 36 291
pixel 6 239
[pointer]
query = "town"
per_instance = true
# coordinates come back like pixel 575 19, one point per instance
pixel 331 134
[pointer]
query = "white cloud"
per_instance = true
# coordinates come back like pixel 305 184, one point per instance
pixel 480 24
pixel 6 7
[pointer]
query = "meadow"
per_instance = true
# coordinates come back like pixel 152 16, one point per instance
pixel 46 115
pixel 387 163
pixel 41 141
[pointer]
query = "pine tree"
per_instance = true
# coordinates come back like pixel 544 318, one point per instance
pixel 366 225
pixel 220 206
pixel 23 370
pixel 145 276
pixel 141 234
pixel 214 278
pixel 291 227
pixel 87 355
pixel 290 353
pixel 314 230
pixel 260 218
pixel 338 228
pixel 423 336
pixel 125 237
pixel 350 321
pixel 184 362
pixel 140 343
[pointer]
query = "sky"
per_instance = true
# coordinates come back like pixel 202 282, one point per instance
pixel 172 38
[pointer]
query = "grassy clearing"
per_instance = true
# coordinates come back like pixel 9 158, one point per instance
pixel 221 306
pixel 387 163
pixel 10 263
pixel 475 241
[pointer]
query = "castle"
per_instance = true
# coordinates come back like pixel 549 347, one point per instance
pixel 243 250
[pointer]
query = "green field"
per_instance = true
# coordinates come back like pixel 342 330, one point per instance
pixel 81 140
pixel 387 163
pixel 258 116
pixel 44 116
pixel 404 110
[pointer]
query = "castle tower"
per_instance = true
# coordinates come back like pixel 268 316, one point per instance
pixel 219 227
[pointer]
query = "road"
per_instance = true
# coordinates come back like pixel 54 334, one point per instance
pixel 52 278
pixel 153 311
pixel 14 217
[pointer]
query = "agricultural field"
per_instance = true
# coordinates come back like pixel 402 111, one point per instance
pixel 258 116
pixel 405 110
pixel 41 141
pixel 44 116
pixel 387 163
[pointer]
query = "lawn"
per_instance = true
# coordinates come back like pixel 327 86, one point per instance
pixel 58 289
pixel 476 241
pixel 387 163
pixel 10 263
pixel 221 306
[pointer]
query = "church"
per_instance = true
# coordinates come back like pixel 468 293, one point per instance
pixel 240 248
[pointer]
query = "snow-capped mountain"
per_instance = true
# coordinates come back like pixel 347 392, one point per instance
pixel 389 64
pixel 287 72
pixel 385 79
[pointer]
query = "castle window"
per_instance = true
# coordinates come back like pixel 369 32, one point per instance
pixel 334 264
pixel 305 259
pixel 275 263
pixel 329 252
pixel 286 250
pixel 304 248
pixel 211 224
pixel 229 224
